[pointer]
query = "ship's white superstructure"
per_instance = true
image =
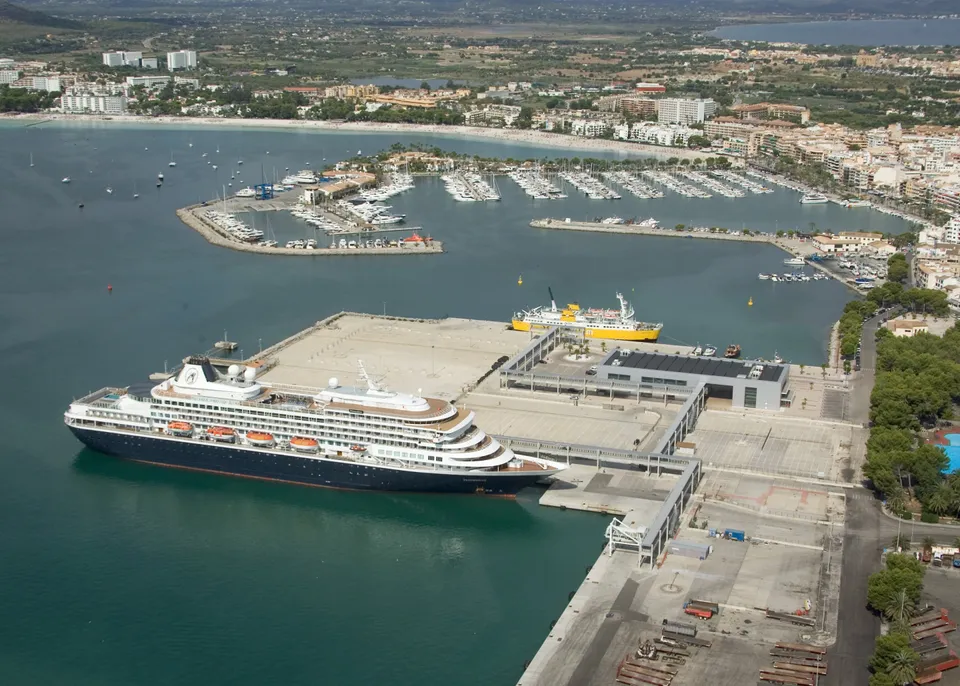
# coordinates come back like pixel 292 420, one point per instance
pixel 364 424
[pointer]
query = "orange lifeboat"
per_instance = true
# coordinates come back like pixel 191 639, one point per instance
pixel 358 448
pixel 180 428
pixel 222 433
pixel 307 445
pixel 261 438
pixel 415 238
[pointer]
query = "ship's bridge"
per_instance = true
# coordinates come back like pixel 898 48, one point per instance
pixel 198 378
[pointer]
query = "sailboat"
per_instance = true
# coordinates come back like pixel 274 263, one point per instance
pixel 172 163
pixel 109 190
pixel 31 159
pixel 135 194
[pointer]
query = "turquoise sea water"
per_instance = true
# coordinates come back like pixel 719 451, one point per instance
pixel 117 573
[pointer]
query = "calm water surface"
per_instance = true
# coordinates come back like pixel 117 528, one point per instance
pixel 864 32
pixel 118 573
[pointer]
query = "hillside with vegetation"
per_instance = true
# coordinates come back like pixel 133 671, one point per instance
pixel 15 14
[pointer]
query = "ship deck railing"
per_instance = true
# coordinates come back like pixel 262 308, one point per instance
pixel 102 397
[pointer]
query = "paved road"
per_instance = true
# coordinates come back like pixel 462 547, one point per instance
pixel 864 529
pixel 863 384
pixel 857 627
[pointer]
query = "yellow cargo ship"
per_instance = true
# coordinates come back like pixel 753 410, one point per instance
pixel 619 325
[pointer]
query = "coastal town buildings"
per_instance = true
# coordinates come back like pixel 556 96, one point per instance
pixel 128 58
pixel 181 59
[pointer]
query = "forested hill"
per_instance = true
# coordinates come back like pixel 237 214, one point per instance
pixel 14 14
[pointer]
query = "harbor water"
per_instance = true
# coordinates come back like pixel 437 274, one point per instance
pixel 117 573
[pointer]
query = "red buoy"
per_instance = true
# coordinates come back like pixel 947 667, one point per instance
pixel 109 287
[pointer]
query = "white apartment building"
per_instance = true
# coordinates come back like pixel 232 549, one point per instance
pixel 588 128
pixel 147 81
pixel 181 59
pixel 951 232
pixel 46 83
pixel 122 58
pixel 95 104
pixel 670 135
pixel 9 75
pixel 682 111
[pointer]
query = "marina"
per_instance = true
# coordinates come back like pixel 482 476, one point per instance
pixel 633 184
pixel 466 186
pixel 535 185
pixel 172 530
pixel 588 185
pixel 224 230
pixel 669 181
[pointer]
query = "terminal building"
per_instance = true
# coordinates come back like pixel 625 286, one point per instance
pixel 746 383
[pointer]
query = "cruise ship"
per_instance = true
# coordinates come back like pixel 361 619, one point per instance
pixel 224 420
pixel 596 323
pixel 814 199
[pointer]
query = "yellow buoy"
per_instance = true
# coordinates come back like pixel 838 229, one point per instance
pixel 520 280
pixel 750 302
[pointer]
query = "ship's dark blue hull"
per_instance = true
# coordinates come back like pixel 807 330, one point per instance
pixel 263 464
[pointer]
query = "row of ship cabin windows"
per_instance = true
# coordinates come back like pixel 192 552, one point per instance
pixel 228 417
pixel 218 411
pixel 409 456
pixel 267 413
pixel 166 416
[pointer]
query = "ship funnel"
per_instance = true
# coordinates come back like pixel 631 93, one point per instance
pixel 553 302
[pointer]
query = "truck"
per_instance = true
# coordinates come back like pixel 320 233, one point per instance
pixel 734 535
pixel 698 612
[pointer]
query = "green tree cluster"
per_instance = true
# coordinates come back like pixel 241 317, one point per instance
pixel 22 100
pixel 897 269
pixel 895 592
pixel 918 381
pixel 850 329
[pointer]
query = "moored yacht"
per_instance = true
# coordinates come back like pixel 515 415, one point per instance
pixel 814 199
pixel 226 420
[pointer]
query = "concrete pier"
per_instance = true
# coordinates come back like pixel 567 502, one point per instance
pixel 792 246
pixel 666 470
pixel 193 217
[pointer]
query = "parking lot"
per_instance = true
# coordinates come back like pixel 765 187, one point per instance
pixel 771 445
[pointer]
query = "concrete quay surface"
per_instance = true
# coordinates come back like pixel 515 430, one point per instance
pixel 193 217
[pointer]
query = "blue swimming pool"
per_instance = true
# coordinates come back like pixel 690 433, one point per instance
pixel 953 451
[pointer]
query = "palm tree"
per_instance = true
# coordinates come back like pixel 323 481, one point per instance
pixel 941 500
pixel 897 500
pixel 903 667
pixel 901 541
pixel 900 608
pixel 928 544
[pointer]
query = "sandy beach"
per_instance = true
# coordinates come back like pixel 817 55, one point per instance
pixel 538 138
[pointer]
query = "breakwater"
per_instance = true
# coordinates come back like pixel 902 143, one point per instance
pixel 792 246
pixel 193 217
